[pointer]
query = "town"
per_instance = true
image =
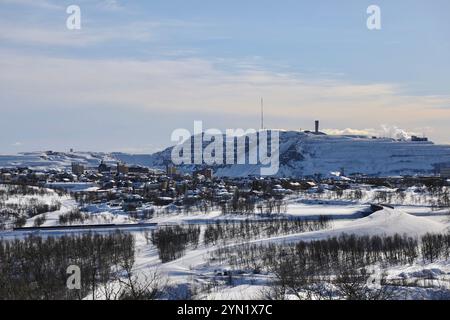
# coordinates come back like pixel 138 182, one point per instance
pixel 138 192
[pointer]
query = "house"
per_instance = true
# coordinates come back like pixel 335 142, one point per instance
pixel 171 171
pixel 6 177
pixel 206 172
pixel 77 169
pixel 122 168
pixel 104 168
pixel 138 170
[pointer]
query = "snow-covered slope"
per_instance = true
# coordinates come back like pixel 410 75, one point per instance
pixel 301 154
pixel 384 222
pixel 307 154
pixel 53 160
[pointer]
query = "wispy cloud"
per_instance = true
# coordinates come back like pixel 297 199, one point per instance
pixel 33 3
pixel 201 86
pixel 53 4
pixel 114 5
pixel 60 36
pixel 40 34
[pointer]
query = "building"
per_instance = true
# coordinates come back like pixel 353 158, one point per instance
pixel 138 170
pixel 419 139
pixel 316 129
pixel 77 168
pixel 445 172
pixel 171 171
pixel 5 177
pixel 122 168
pixel 104 168
pixel 208 173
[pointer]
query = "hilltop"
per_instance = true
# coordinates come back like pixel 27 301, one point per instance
pixel 308 154
pixel 301 154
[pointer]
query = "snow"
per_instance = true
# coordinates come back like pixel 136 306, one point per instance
pixel 306 154
pixel 413 215
pixel 245 292
pixel 336 211
pixel 384 222
pixel 195 268
pixel 301 154
pixel 54 160
pixel 52 218
pixel 74 186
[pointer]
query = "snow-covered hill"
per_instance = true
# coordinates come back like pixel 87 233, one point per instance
pixel 301 154
pixel 54 160
pixel 386 222
pixel 307 154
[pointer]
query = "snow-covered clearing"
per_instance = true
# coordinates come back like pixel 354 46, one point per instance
pixel 195 268
pixel 209 280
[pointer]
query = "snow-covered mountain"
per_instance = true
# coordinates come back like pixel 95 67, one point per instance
pixel 54 160
pixel 307 154
pixel 300 153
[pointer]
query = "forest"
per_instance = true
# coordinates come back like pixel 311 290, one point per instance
pixel 335 268
pixel 35 268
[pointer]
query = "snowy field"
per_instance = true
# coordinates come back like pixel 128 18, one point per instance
pixel 207 279
pixel 195 268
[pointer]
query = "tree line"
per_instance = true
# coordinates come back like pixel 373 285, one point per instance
pixel 224 231
pixel 15 214
pixel 334 268
pixel 35 268
pixel 172 242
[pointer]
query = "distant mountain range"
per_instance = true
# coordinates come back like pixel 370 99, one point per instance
pixel 301 154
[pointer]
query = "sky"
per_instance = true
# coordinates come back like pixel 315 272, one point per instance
pixel 138 70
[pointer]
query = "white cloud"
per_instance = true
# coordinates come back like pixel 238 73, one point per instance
pixel 111 5
pixel 53 4
pixel 199 86
pixel 33 3
pixel 60 36
pixel 350 131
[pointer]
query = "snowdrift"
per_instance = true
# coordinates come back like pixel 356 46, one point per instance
pixel 384 222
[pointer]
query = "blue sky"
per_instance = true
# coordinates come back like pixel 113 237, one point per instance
pixel 137 70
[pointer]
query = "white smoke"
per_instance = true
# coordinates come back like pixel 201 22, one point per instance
pixel 350 131
pixel 395 132
pixel 385 131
